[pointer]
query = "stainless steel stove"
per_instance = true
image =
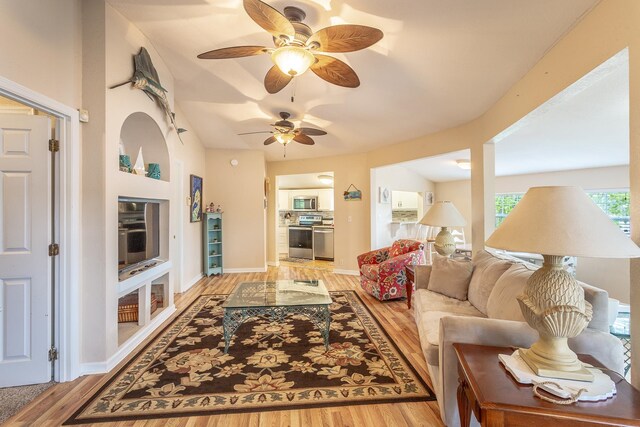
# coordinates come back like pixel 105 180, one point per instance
pixel 301 236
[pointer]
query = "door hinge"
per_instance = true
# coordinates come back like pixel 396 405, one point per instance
pixel 54 249
pixel 53 354
pixel 54 145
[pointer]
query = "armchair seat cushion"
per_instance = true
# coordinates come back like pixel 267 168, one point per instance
pixel 371 271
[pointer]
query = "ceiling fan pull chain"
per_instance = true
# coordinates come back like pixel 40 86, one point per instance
pixel 293 93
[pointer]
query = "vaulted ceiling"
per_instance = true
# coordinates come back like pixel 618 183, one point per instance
pixel 439 65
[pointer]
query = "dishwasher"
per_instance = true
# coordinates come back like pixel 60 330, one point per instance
pixel 323 243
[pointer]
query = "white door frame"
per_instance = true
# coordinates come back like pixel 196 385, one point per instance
pixel 67 322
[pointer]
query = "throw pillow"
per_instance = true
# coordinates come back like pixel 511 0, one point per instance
pixel 450 277
pixel 502 303
pixel 487 269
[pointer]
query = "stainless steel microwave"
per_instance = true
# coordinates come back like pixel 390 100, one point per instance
pixel 305 203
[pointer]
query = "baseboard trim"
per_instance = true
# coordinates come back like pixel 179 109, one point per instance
pixel 273 263
pixel 129 346
pixel 347 272
pixel 245 270
pixel 192 282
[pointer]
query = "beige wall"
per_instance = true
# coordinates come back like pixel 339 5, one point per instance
pixel 240 191
pixel 351 218
pixel 41 47
pixel 109 41
pixel 459 193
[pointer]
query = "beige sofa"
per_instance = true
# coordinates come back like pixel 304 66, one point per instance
pixel 490 315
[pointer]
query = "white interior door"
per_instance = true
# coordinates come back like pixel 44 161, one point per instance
pixel 25 218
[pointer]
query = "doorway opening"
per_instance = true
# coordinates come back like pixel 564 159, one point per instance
pixel 305 209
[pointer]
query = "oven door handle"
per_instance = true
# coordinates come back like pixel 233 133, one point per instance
pixel 300 228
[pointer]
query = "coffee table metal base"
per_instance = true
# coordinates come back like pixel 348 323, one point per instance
pixel 235 316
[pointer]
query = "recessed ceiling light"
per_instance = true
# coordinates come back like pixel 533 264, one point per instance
pixel 464 163
pixel 325 179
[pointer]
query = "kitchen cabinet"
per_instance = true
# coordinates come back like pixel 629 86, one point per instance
pixel 325 199
pixel 404 200
pixel 283 240
pixel 283 200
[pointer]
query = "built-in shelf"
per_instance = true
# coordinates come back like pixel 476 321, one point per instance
pixel 153 295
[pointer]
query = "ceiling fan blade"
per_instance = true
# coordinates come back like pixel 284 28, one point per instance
pixel 345 38
pixel 312 131
pixel 233 52
pixel 276 80
pixel 251 133
pixel 269 18
pixel 303 139
pixel 270 140
pixel 335 71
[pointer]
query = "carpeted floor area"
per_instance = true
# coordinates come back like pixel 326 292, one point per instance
pixel 270 366
pixel 14 398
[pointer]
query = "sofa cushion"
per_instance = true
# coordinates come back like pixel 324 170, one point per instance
pixel 429 332
pixel 370 271
pixel 403 246
pixel 450 277
pixel 425 301
pixel 487 269
pixel 502 303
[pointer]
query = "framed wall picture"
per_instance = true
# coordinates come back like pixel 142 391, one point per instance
pixel 196 199
pixel 384 195
pixel 428 198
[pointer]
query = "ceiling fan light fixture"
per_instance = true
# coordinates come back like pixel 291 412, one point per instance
pixel 325 179
pixel 284 138
pixel 464 164
pixel 292 60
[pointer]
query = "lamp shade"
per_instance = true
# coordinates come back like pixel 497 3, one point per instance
pixel 443 214
pixel 293 60
pixel 561 221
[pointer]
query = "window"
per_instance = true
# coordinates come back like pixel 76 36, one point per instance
pixel 616 205
pixel 613 203
pixel 504 204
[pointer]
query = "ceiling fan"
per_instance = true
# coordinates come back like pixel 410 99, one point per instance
pixel 296 46
pixel 285 131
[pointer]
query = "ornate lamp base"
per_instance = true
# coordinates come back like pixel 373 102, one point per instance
pixel 445 244
pixel 543 366
pixel 553 304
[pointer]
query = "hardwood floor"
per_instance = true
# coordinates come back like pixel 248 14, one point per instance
pixel 54 406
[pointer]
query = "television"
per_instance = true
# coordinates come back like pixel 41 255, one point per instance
pixel 138 234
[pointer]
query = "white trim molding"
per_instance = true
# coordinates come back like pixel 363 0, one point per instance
pixel 67 325
pixel 347 272
pixel 245 270
pixel 273 263
pixel 191 282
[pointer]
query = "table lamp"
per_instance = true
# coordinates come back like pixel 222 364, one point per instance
pixel 444 214
pixel 554 222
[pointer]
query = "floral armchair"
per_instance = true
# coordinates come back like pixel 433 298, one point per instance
pixel 382 272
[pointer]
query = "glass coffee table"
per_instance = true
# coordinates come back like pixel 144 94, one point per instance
pixel 276 300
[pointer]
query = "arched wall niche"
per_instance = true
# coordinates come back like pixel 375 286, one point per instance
pixel 139 130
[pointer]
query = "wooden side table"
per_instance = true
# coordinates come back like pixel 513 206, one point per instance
pixel 411 278
pixel 496 399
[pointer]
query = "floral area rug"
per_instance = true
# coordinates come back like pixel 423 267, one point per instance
pixel 269 366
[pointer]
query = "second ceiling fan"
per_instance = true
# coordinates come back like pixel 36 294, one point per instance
pixel 296 46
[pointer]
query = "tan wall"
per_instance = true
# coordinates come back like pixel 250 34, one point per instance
pixel 459 193
pixel 41 47
pixel 240 191
pixel 350 237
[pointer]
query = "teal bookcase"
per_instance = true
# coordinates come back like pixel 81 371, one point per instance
pixel 212 243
